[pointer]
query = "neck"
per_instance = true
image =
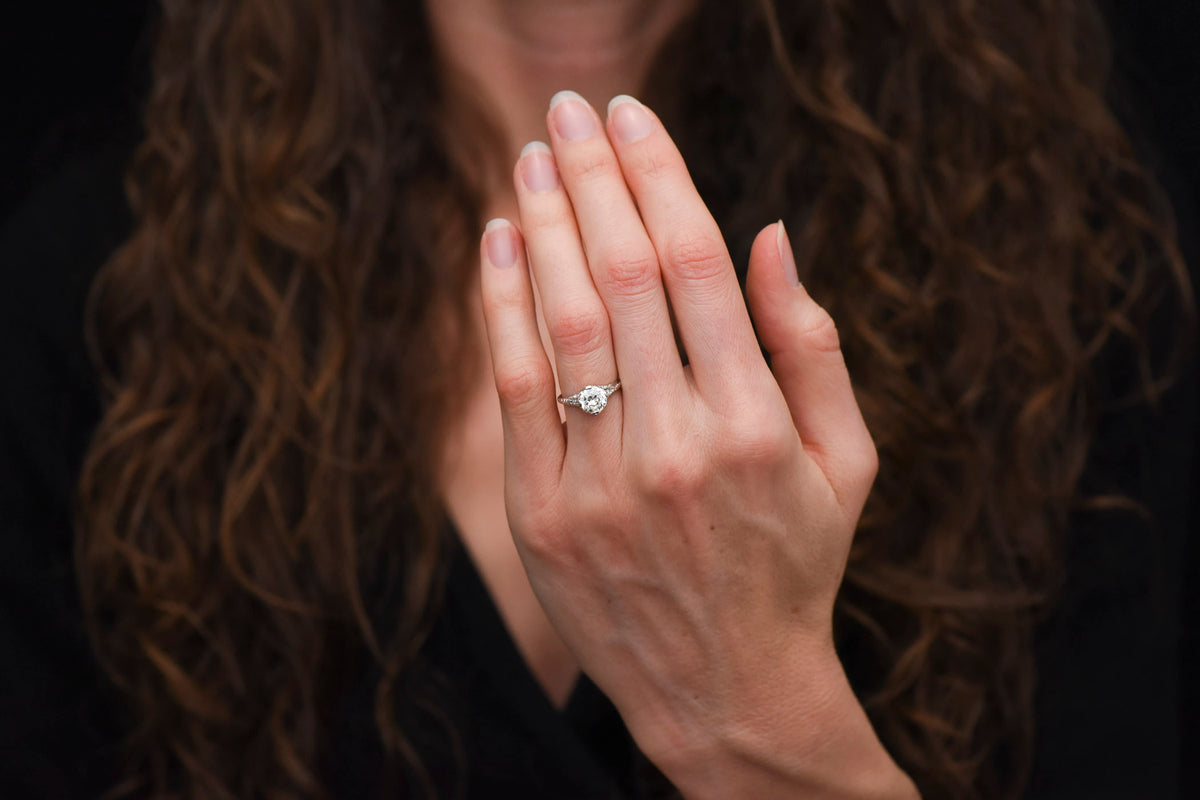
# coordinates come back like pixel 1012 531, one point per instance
pixel 511 56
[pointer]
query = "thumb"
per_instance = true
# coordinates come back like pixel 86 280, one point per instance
pixel 806 357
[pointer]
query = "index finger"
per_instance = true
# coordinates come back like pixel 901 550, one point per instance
pixel 697 271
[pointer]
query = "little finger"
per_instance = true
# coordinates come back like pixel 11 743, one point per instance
pixel 534 444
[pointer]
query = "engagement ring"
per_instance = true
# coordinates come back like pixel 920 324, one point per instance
pixel 591 399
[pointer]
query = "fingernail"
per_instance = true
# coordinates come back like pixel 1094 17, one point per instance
pixel 537 167
pixel 499 243
pixel 572 116
pixel 630 120
pixel 786 255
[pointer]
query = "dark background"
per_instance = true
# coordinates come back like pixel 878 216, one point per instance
pixel 72 75
pixel 71 79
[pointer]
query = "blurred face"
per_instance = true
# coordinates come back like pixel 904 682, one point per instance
pixel 519 53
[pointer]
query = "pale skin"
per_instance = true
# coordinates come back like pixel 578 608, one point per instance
pixel 685 546
pixel 518 53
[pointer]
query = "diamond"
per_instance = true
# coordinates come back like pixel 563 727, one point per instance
pixel 593 399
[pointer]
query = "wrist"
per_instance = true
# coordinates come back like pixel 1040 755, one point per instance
pixel 806 737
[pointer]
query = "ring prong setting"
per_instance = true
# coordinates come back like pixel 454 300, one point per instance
pixel 593 399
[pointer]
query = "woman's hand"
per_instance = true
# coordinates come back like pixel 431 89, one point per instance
pixel 688 541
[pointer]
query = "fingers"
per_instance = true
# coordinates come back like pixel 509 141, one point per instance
pixel 696 267
pixel 575 315
pixel 621 257
pixel 534 445
pixel 806 358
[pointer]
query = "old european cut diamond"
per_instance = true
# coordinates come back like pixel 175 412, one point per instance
pixel 593 399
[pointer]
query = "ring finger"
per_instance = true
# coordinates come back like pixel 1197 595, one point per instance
pixel 576 319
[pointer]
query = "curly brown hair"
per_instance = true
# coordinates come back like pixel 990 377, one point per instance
pixel 277 336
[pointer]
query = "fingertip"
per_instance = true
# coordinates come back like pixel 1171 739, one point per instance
pixel 762 277
pixel 565 94
pixel 786 257
pixel 779 303
pixel 619 99
pixel 773 264
pixel 501 244
pixel 629 120
pixel 535 146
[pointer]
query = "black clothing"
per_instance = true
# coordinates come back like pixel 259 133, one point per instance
pixel 1108 659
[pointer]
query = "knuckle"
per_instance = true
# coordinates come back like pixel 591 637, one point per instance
pixel 627 272
pixel 856 469
pixel 656 165
pixel 697 255
pixel 752 442
pixel 594 504
pixel 537 218
pixel 545 544
pixel 578 330
pixel 867 464
pixel 565 527
pixel 546 539
pixel 586 166
pixel 499 302
pixel 522 382
pixel 541 527
pixel 820 331
pixel 671 477
pixel 531 508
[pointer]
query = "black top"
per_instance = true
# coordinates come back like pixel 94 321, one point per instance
pixel 1108 697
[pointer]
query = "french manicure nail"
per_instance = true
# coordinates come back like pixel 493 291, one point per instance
pixel 572 116
pixel 499 243
pixel 630 120
pixel 537 167
pixel 786 255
